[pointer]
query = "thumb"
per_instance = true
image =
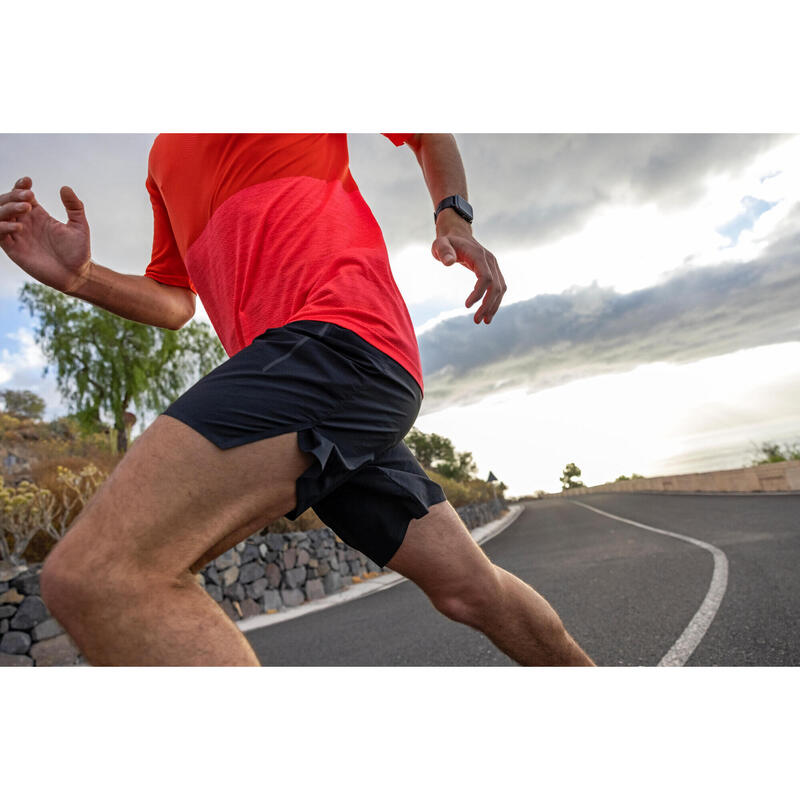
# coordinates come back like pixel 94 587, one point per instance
pixel 444 251
pixel 73 206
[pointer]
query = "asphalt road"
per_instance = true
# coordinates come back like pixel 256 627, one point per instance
pixel 626 594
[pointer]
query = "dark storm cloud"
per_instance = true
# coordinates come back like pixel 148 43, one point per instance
pixel 532 188
pixel 552 339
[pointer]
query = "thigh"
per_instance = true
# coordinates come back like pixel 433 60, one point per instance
pixel 439 554
pixel 176 498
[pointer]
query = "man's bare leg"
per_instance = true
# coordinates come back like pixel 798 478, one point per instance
pixel 121 582
pixel 441 557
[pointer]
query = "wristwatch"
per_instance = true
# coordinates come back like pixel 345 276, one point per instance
pixel 458 204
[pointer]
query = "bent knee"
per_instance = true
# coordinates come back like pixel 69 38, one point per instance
pixel 469 602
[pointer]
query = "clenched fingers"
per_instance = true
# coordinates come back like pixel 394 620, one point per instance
pixel 14 204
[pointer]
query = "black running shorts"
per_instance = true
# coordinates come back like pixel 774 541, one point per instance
pixel 351 406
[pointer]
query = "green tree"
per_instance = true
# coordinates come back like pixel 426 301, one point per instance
pixel 105 363
pixel 23 403
pixel 633 477
pixel 437 453
pixel 772 453
pixel 568 477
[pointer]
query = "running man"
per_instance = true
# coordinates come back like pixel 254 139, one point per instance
pixel 310 410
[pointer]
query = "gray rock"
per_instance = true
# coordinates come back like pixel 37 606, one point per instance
pixel 212 575
pixel 230 576
pixel 273 574
pixel 15 643
pixel 332 582
pixel 250 572
pixel 356 568
pixel 323 569
pixel 214 591
pixel 250 608
pixel 57 652
pixel 7 611
pixel 257 588
pixel 3 586
pixel 7 660
pixel 294 578
pixel 27 583
pixel 292 597
pixel 31 612
pixel 290 558
pixel 303 557
pixel 271 600
pixel 372 566
pixel 262 549
pixel 250 553
pixel 240 547
pixel 334 562
pixel 344 568
pixel 4 626
pixel 227 607
pixel 314 589
pixel 235 592
pixel 275 541
pixel 272 555
pixel 230 558
pixel 46 630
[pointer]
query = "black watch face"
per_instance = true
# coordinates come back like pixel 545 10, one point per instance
pixel 464 207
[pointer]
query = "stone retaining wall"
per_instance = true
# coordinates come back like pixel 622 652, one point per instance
pixel 264 574
pixel 783 476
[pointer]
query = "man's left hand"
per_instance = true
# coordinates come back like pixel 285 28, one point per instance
pixel 457 244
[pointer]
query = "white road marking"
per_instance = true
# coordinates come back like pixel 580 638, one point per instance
pixel 680 652
pixel 480 535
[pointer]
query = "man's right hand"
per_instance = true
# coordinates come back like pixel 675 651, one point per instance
pixel 54 253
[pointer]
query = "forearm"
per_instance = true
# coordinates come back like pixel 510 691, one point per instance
pixel 136 297
pixel 440 161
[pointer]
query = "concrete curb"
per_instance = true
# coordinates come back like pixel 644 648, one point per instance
pixel 481 534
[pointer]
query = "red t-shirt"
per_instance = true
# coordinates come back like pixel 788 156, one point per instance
pixel 269 229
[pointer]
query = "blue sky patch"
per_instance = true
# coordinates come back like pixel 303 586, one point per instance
pixel 753 207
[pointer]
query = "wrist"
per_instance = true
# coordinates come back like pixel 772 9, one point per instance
pixel 77 282
pixel 451 223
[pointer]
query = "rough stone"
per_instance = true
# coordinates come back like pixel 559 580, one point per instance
pixel 4 626
pixel 212 575
pixel 7 660
pixel 262 549
pixel 235 591
pixel 303 557
pixel 31 612
pixel 272 555
pixel 273 574
pixel 11 596
pixel 250 553
pixel 230 575
pixel 214 591
pixel 200 579
pixel 332 582
pixel 356 568
pixel 15 643
pixel 290 558
pixel 46 630
pixel 227 607
pixel 292 597
pixel 3 586
pixel 344 568
pixel 271 600
pixel 250 572
pixel 7 611
pixel 8 573
pixel 294 578
pixel 26 583
pixel 275 541
pixel 257 588
pixel 323 569
pixel 314 589
pixel 240 547
pixel 334 562
pixel 250 608
pixel 57 652
pixel 230 558
pixel 372 566
pixel 313 563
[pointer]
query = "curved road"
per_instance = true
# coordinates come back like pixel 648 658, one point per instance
pixel 627 594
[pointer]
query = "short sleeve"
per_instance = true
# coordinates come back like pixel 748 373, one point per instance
pixel 166 264
pixel 398 139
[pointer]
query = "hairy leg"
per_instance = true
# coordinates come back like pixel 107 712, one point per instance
pixel 121 582
pixel 441 557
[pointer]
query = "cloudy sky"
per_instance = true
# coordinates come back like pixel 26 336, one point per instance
pixel 652 321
